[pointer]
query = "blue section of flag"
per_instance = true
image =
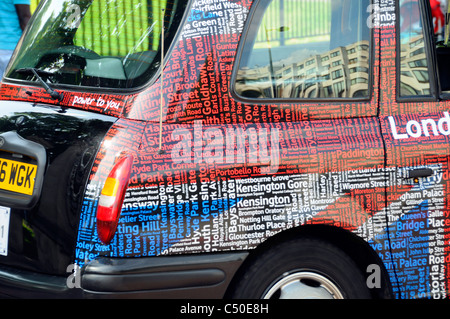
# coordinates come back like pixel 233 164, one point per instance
pixel 405 250
pixel 152 231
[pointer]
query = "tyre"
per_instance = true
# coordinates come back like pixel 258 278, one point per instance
pixel 302 268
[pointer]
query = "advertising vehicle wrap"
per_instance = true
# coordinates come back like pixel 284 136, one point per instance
pixel 231 180
pixel 216 170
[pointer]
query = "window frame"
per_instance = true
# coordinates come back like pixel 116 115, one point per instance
pixel 168 49
pixel 430 53
pixel 249 34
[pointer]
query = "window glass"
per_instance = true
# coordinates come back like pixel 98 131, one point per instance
pixel 306 49
pixel 414 78
pixel 102 43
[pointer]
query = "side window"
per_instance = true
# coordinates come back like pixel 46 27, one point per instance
pixel 306 49
pixel 414 76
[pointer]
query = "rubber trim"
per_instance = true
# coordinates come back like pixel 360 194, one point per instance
pixel 185 276
pixel 168 273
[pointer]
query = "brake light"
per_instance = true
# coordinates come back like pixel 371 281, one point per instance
pixel 111 199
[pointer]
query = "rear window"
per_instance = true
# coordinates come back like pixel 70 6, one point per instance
pixel 101 44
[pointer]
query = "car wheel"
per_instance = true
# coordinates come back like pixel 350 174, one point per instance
pixel 303 268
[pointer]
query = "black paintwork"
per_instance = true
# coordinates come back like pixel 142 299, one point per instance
pixel 42 238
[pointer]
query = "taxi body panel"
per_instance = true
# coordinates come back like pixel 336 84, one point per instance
pixel 223 166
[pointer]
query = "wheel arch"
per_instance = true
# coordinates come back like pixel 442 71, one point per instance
pixel 355 247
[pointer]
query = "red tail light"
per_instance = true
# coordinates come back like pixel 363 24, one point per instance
pixel 111 199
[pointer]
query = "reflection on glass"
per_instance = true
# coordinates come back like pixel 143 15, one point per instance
pixel 414 78
pixel 308 49
pixel 102 43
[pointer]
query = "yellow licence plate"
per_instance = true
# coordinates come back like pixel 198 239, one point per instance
pixel 17 176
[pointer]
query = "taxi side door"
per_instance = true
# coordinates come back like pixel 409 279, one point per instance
pixel 414 114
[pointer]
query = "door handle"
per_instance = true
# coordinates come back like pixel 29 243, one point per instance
pixel 420 172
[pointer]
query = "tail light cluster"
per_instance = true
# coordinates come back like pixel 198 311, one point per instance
pixel 111 199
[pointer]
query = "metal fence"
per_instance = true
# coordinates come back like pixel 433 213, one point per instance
pixel 284 20
pixel 114 28
pixel 118 27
